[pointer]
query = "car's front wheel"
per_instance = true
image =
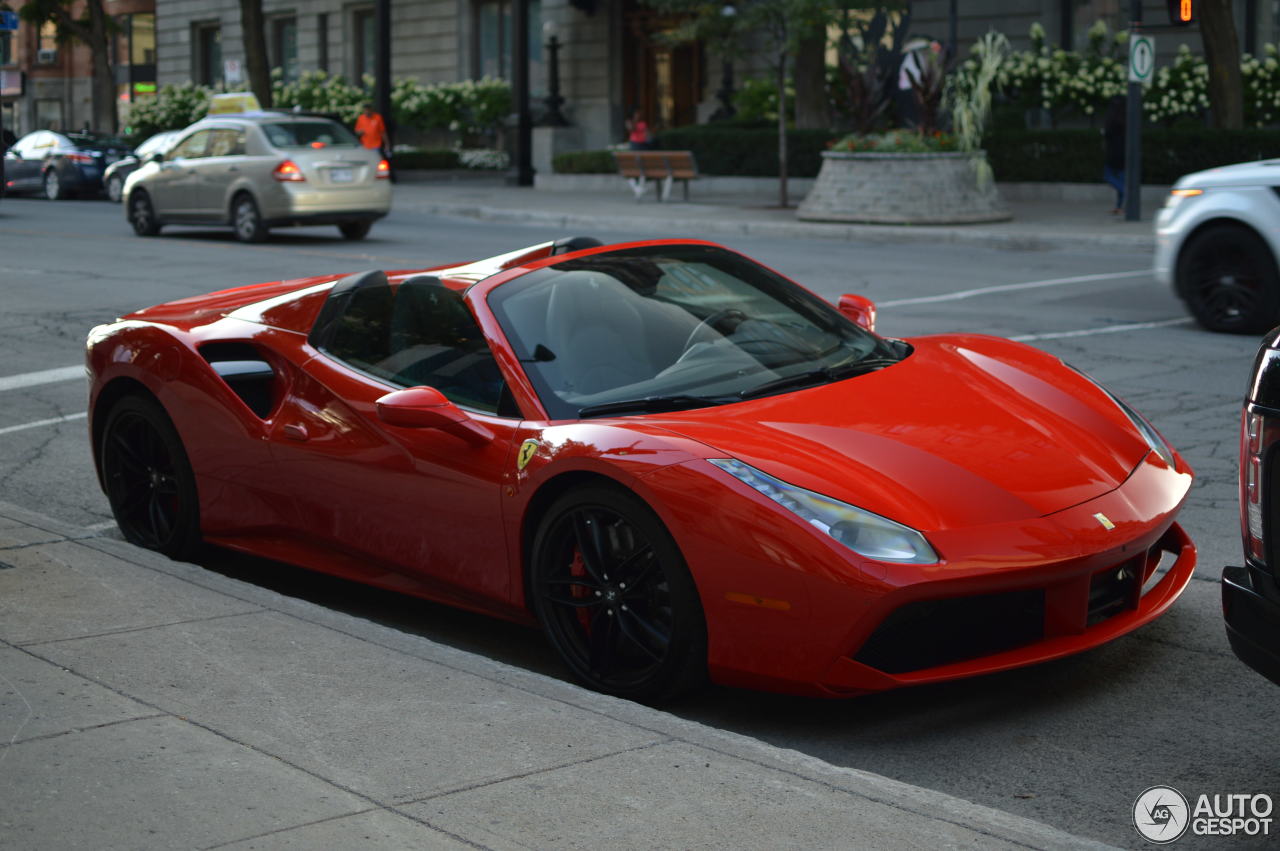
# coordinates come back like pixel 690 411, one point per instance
pixel 142 214
pixel 54 188
pixel 355 230
pixel 115 188
pixel 1227 276
pixel 614 595
pixel 247 219
pixel 148 479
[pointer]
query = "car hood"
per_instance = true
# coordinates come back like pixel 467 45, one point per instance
pixel 966 431
pixel 1260 173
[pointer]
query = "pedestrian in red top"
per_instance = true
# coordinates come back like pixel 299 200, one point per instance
pixel 638 132
pixel 372 131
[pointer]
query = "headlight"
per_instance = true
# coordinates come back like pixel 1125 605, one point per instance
pixel 1148 431
pixel 865 533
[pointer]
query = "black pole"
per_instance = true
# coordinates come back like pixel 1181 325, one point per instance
pixel 953 27
pixel 382 68
pixel 1133 129
pixel 553 117
pixel 522 172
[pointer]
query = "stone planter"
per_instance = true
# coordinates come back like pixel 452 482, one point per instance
pixel 902 189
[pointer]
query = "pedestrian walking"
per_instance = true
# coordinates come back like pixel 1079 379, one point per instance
pixel 1113 133
pixel 372 131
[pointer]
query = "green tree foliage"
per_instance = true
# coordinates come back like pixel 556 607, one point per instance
pixel 93 28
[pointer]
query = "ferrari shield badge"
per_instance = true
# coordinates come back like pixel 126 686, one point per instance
pixel 527 450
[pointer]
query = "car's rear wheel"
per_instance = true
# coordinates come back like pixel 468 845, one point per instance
pixel 613 594
pixel 148 479
pixel 355 230
pixel 1227 276
pixel 115 188
pixel 247 219
pixel 54 188
pixel 142 214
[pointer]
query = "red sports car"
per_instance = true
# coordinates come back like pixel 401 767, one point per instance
pixel 677 461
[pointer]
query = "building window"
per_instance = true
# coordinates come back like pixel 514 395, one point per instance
pixel 284 47
pixel 206 56
pixel 6 48
pixel 491 44
pixel 47 52
pixel 364 31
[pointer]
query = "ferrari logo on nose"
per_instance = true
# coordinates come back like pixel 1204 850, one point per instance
pixel 1104 521
pixel 527 450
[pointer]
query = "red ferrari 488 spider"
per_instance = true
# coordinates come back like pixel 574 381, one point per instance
pixel 678 462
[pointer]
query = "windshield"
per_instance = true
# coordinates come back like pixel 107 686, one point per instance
pixel 670 327
pixel 94 142
pixel 158 142
pixel 306 134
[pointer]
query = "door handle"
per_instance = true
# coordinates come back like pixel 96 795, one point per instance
pixel 234 168
pixel 295 431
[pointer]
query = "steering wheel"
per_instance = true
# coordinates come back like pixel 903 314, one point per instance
pixel 711 322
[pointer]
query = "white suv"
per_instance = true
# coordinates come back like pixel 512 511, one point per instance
pixel 1217 240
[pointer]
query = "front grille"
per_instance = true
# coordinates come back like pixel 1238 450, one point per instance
pixel 929 633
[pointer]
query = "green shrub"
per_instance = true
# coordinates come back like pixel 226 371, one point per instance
pixel 1076 156
pixel 584 162
pixel 897 142
pixel 172 108
pixel 317 91
pixel 748 151
pixel 427 159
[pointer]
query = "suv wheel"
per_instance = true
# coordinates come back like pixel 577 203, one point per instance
pixel 1228 278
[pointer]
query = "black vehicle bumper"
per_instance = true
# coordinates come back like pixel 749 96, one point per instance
pixel 325 218
pixel 1253 622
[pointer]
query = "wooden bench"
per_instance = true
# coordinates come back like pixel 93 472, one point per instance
pixel 664 167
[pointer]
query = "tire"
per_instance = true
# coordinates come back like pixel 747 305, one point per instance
pixel 247 219
pixel 1227 276
pixel 54 189
pixel 148 479
pixel 355 230
pixel 115 188
pixel 615 598
pixel 142 214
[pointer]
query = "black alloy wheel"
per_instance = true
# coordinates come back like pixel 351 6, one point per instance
pixel 142 215
pixel 53 187
pixel 613 594
pixel 355 230
pixel 148 479
pixel 1227 275
pixel 247 219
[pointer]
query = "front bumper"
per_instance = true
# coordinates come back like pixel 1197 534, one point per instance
pixel 1253 622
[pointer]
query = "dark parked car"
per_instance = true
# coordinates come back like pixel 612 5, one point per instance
pixel 113 178
pixel 58 165
pixel 1251 594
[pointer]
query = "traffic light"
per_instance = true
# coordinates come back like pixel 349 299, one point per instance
pixel 1181 12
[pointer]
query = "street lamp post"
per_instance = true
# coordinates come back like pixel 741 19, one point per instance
pixel 553 117
pixel 521 173
pixel 726 109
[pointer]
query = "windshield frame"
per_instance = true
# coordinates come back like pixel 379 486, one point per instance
pixel 772 285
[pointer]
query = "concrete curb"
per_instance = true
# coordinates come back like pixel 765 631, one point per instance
pixel 855 788
pixel 1000 237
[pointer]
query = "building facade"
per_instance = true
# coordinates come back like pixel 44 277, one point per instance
pixel 45 83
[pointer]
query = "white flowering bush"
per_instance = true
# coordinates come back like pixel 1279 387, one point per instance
pixel 1261 80
pixel 1180 90
pixel 471 107
pixel 172 108
pixel 317 91
pixel 484 158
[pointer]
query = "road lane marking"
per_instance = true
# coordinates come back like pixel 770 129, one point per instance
pixel 38 423
pixel 1105 329
pixel 1005 288
pixel 44 376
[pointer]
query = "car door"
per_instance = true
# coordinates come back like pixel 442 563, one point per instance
pixel 218 171
pixel 174 187
pixel 22 170
pixel 423 504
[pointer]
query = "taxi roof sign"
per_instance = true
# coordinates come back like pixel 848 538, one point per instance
pixel 233 103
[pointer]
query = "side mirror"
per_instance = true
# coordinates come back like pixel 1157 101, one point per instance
pixel 153 157
pixel 859 309
pixel 426 407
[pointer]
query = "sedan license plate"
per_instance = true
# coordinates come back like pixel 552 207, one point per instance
pixel 341 175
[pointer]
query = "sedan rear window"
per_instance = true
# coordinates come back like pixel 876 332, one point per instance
pixel 306 134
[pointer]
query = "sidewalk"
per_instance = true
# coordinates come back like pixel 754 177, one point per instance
pixel 1036 225
pixel 146 703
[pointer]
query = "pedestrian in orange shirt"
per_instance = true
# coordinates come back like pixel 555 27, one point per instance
pixel 373 132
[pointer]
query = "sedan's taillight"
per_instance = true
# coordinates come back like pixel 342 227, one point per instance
pixel 80 158
pixel 288 172
pixel 384 170
pixel 1259 433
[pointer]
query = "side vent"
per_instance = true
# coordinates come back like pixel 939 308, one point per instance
pixel 246 372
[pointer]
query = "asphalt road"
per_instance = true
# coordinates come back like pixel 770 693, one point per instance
pixel 1071 743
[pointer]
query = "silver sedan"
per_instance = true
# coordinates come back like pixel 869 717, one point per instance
pixel 257 171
